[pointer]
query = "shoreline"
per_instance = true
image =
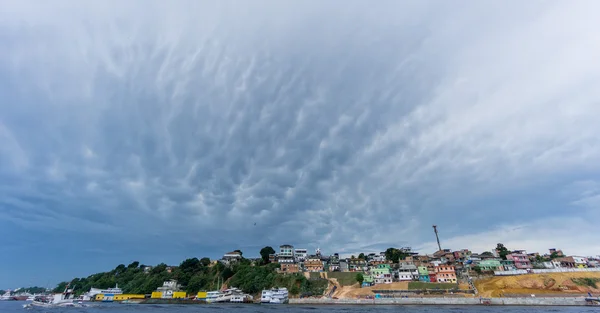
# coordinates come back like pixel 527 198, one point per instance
pixel 541 301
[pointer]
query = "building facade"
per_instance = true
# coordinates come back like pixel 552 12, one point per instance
pixel 445 274
pixel 423 273
pixel 313 264
pixel 521 259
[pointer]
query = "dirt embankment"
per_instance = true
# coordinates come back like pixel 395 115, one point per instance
pixel 354 291
pixel 539 284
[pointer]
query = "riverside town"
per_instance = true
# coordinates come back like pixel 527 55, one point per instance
pixel 500 276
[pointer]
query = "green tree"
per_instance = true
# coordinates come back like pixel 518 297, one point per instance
pixel 362 256
pixel 554 255
pixel 487 254
pixel 159 268
pixel 360 278
pixel 265 252
pixel 477 269
pixel 205 261
pixel 190 265
pixel 502 251
pixel 295 290
pixel 227 273
pixel 134 264
pixel 395 255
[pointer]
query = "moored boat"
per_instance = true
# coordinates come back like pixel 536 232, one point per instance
pixel 6 296
pixel 212 296
pixel 275 296
pixel 65 299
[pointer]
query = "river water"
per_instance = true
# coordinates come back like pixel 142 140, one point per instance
pixel 17 306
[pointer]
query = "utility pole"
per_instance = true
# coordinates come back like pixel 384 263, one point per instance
pixel 437 237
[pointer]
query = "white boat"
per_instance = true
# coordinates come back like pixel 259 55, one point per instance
pixel 275 296
pixel 6 296
pixel 265 296
pixel 108 293
pixel 211 296
pixel 65 299
pixel 244 298
pixel 228 294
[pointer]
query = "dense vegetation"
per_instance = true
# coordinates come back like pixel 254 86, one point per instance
pixel 587 281
pixel 198 274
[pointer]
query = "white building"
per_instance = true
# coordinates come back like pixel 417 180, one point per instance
pixel 300 254
pixel 580 261
pixel 407 272
pixel 168 288
pixel 231 257
pixel 286 254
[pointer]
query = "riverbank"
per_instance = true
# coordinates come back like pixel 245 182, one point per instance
pixel 553 301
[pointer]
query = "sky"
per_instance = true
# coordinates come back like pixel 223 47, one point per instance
pixel 155 131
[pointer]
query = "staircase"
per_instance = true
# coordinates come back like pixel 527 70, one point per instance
pixel 472 286
pixel 332 291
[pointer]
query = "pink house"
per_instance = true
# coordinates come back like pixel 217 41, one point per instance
pixel 521 259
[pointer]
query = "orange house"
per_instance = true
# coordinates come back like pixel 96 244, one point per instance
pixel 313 265
pixel 445 274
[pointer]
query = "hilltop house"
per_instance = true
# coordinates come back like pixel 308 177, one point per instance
pixel 490 265
pixel 300 255
pixel 423 273
pixel 445 274
pixel 286 254
pixel 231 257
pixel 521 259
pixel 407 272
pixel 344 267
pixel 566 262
pixel 382 274
pixel 313 264
pixel 357 265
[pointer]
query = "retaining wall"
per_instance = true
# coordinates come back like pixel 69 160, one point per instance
pixel 567 301
pixel 544 271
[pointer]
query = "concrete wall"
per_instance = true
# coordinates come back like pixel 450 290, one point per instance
pixel 570 301
pixel 545 271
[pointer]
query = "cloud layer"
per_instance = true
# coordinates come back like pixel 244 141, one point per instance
pixel 345 125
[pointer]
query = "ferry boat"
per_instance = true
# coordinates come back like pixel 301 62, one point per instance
pixel 229 294
pixel 108 293
pixel 275 296
pixel 245 298
pixel 211 296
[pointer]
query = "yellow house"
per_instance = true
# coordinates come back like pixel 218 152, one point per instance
pixel 201 295
pixel 156 295
pixel 127 297
pixel 179 294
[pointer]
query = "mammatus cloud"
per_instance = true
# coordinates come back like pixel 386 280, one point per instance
pixel 342 125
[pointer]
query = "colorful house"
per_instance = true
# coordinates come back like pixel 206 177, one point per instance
pixel 407 272
pixel 367 281
pixel 313 264
pixel 382 274
pixel 423 274
pixel 490 265
pixel 433 277
pixel 445 274
pixel 521 259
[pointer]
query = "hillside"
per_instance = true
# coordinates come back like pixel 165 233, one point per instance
pixel 195 275
pixel 540 284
